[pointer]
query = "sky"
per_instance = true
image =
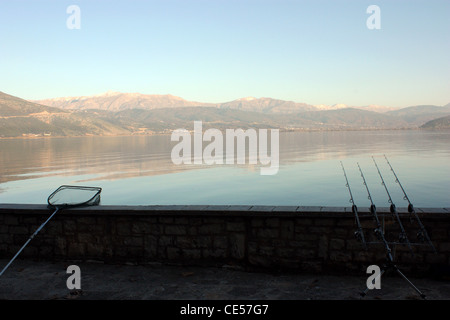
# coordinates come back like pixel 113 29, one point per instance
pixel 317 52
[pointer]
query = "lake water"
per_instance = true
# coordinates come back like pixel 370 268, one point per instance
pixel 138 170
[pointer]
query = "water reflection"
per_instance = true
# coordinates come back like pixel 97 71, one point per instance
pixel 138 169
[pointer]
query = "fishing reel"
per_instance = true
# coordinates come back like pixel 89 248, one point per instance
pixel 411 211
pixel 402 238
pixel 378 233
pixel 420 236
pixel 392 208
pixel 358 236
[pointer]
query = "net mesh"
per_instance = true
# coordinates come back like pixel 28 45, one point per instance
pixel 66 196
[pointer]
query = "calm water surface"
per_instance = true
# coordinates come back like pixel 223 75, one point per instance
pixel 138 170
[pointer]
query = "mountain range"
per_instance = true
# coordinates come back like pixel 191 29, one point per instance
pixel 117 101
pixel 115 113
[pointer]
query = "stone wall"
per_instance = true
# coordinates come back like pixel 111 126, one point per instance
pixel 303 239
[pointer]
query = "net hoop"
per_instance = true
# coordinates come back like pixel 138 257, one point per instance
pixel 92 201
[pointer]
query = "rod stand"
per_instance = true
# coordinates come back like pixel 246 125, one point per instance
pixel 390 265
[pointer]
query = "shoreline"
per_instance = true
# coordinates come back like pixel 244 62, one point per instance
pixel 168 133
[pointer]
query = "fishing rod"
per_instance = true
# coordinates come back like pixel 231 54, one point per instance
pixel 379 230
pixel 402 237
pixel 380 234
pixel 422 234
pixel 359 233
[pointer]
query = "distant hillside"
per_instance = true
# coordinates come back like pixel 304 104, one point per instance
pixel 356 118
pixel 19 117
pixel 267 105
pixel 376 108
pixel 440 123
pixel 372 107
pixel 11 106
pixel 419 115
pixel 160 119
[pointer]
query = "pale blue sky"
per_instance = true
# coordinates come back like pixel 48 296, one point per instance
pixel 318 52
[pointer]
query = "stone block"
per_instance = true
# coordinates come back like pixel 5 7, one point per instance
pixel 236 226
pixel 345 222
pixel 213 220
pixel 260 261
pixel 210 229
pixel 19 230
pixel 323 247
pixel 202 242
pixel 354 245
pixel 337 244
pixel 185 242
pixel 165 220
pixel 364 256
pixel 433 258
pixel 139 227
pixel 220 242
pixel 181 220
pixel 237 245
pixel 301 221
pixel 311 266
pixel 192 230
pixel 285 252
pixel 134 241
pixel 320 230
pixel 325 222
pixel 340 256
pixel 301 229
pixel 257 222
pixel 150 245
pixel 175 229
pixel 209 253
pixel 165 241
pixel 266 250
pixel 252 247
pixel 76 250
pixel 94 249
pixel 192 254
pixel 287 229
pixel 444 247
pixel 156 229
pixel 438 234
pixel 174 253
pixel 304 244
pixel 123 229
pixel 31 221
pixel 268 233
pixel 304 254
pixel 86 238
pixel 11 220
pixel 343 233
pixel 272 222
pixel 408 258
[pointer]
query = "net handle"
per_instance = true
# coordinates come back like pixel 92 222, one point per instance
pixel 97 189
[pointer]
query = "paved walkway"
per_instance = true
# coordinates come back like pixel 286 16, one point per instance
pixel 40 280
